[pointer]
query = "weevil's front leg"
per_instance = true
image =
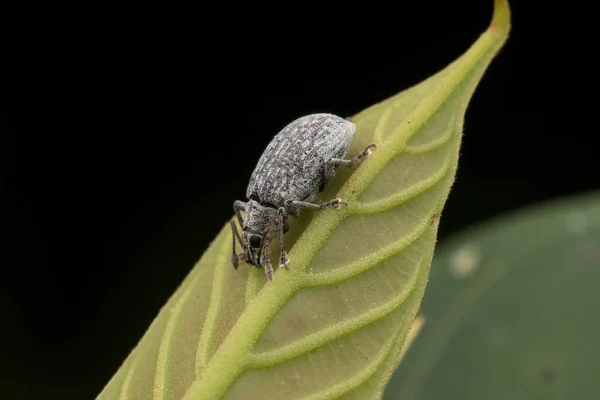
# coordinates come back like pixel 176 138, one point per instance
pixel 266 257
pixel 237 207
pixel 282 223
pixel 235 234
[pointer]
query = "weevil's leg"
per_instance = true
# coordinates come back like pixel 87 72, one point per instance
pixel 335 162
pixel 235 234
pixel 284 219
pixel 332 164
pixel 282 223
pixel 266 257
pixel 238 206
pixel 296 205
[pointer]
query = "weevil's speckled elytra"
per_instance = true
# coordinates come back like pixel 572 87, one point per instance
pixel 299 162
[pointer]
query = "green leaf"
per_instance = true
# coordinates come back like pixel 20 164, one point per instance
pixel 335 323
pixel 511 310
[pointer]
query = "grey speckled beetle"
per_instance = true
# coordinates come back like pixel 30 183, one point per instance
pixel 298 163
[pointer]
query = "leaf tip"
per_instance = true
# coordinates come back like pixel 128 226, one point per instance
pixel 501 18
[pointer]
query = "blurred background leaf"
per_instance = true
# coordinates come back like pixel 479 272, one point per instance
pixel 511 310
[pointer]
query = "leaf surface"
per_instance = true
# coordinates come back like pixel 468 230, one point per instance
pixel 334 325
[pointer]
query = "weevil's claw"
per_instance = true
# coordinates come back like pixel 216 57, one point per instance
pixel 268 267
pixel 362 155
pixel 367 152
pixel 235 259
pixel 269 271
pixel 284 261
pixel 371 145
pixel 336 203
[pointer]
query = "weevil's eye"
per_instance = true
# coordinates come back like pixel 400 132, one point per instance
pixel 255 241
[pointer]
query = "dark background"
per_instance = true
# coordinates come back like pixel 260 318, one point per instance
pixel 135 137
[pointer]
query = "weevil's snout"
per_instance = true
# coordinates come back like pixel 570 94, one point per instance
pixel 253 256
pixel 255 231
pixel 253 248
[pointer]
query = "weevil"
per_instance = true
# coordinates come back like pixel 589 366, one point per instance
pixel 297 164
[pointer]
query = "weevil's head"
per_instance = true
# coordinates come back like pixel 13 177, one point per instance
pixel 257 224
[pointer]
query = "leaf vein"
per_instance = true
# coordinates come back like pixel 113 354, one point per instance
pixel 432 145
pixel 125 388
pixel 330 333
pixel 163 350
pixel 364 264
pixel 355 381
pixel 381 123
pixel 214 308
pixel 402 196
